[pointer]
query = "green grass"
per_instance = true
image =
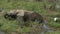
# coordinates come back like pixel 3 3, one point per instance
pixel 54 24
pixel 54 32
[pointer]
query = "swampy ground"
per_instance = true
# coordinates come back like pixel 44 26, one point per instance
pixel 13 26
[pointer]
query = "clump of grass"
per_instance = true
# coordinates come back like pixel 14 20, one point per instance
pixel 53 32
pixel 54 24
